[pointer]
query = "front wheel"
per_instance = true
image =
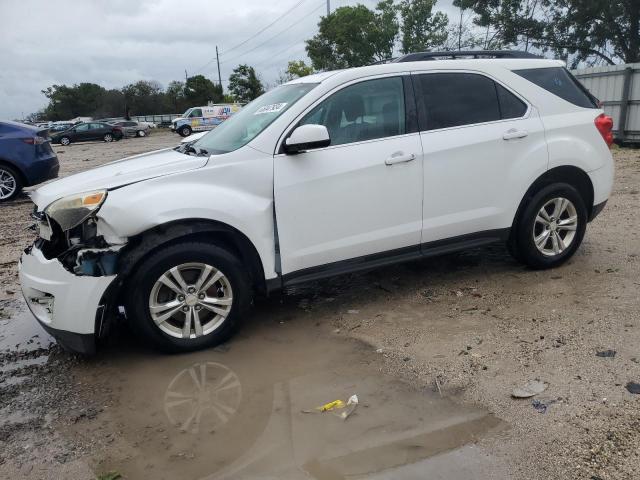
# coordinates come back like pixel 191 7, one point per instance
pixel 185 131
pixel 141 133
pixel 551 227
pixel 64 141
pixel 188 296
pixel 10 184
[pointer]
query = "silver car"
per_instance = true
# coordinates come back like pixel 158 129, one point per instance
pixel 131 128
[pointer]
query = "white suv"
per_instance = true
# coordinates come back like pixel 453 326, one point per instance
pixel 330 173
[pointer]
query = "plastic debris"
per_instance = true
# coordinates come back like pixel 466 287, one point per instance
pixel 606 354
pixel 339 407
pixel 633 387
pixel 534 387
pixel 540 406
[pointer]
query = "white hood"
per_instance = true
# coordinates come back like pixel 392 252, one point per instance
pixel 116 174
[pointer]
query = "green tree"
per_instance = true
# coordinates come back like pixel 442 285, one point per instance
pixel 297 69
pixel 174 96
pixel 199 90
pixel 422 29
pixel 352 37
pixel 68 102
pixel 143 98
pixel 608 30
pixel 590 30
pixel 244 84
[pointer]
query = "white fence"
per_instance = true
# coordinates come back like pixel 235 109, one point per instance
pixel 618 88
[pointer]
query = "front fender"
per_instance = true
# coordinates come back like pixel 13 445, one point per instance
pixel 238 193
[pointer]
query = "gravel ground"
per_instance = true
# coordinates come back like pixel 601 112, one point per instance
pixel 471 326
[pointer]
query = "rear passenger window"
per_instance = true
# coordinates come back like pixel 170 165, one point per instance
pixel 561 83
pixel 454 99
pixel 510 105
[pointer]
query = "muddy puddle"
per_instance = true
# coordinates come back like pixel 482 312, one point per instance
pixel 247 410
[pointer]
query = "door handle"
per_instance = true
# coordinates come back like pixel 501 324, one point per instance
pixel 514 133
pixel 399 157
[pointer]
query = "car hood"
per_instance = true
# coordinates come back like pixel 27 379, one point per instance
pixel 116 174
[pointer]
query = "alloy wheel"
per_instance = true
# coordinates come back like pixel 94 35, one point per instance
pixel 65 141
pixel 8 184
pixel 108 137
pixel 190 300
pixel 555 226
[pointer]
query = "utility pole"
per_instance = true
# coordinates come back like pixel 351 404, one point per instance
pixel 186 77
pixel 328 7
pixel 218 60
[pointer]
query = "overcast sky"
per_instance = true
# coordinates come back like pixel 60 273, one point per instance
pixel 119 42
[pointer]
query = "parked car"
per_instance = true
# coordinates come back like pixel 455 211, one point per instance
pixel 327 174
pixel 84 132
pixel 59 126
pixel 198 119
pixel 26 158
pixel 131 128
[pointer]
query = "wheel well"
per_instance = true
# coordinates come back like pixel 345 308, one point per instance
pixel 574 176
pixel 229 238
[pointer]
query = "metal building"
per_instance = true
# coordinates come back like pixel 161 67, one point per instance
pixel 618 88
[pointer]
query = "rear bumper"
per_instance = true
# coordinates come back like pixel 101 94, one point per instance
pixel 42 169
pixel 65 304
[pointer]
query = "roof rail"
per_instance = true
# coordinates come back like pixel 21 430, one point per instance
pixel 456 54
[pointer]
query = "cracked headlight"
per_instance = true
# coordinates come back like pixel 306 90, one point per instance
pixel 71 211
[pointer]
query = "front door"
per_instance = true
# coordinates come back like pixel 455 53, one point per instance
pixel 360 196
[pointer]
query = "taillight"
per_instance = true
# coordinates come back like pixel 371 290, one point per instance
pixel 604 124
pixel 34 140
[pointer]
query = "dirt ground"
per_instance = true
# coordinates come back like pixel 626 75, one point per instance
pixel 432 348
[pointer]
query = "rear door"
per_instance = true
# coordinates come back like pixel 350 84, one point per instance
pixel 97 130
pixel 483 146
pixel 360 196
pixel 81 132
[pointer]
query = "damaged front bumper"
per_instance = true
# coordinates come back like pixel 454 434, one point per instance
pixel 69 306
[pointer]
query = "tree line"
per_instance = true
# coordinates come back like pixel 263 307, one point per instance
pixel 580 31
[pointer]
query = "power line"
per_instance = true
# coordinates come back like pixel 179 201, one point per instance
pixel 255 34
pixel 277 34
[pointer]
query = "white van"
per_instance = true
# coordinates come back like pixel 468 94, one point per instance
pixel 199 119
pixel 327 174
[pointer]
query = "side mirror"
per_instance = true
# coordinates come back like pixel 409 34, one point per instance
pixel 307 137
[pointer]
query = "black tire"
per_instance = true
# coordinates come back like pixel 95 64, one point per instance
pixel 153 267
pixel 9 174
pixel 109 137
pixel 185 131
pixel 522 244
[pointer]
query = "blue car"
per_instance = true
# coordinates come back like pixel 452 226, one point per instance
pixel 26 158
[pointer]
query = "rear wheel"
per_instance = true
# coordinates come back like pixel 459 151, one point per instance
pixel 188 296
pixel 185 131
pixel 551 227
pixel 10 184
pixel 108 137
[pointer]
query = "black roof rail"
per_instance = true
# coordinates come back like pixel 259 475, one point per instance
pixel 456 54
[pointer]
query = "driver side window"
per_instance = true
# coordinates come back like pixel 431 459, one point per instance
pixel 195 113
pixel 363 111
pixel 82 128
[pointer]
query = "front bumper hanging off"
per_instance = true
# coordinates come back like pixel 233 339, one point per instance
pixel 65 304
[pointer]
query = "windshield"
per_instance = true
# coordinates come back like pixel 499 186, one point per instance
pixel 245 125
pixel 186 114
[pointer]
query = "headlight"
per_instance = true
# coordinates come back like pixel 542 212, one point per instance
pixel 71 211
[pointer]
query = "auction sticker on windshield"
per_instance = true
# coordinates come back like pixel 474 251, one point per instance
pixel 274 107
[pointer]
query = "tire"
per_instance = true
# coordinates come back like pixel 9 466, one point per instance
pixel 141 133
pixel 189 260
pixel 64 141
pixel 108 137
pixel 549 242
pixel 10 183
pixel 185 131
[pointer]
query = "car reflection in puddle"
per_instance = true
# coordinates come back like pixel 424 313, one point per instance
pixel 239 412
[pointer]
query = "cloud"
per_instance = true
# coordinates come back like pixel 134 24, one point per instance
pixel 122 41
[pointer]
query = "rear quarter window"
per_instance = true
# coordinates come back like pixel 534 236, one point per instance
pixel 558 81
